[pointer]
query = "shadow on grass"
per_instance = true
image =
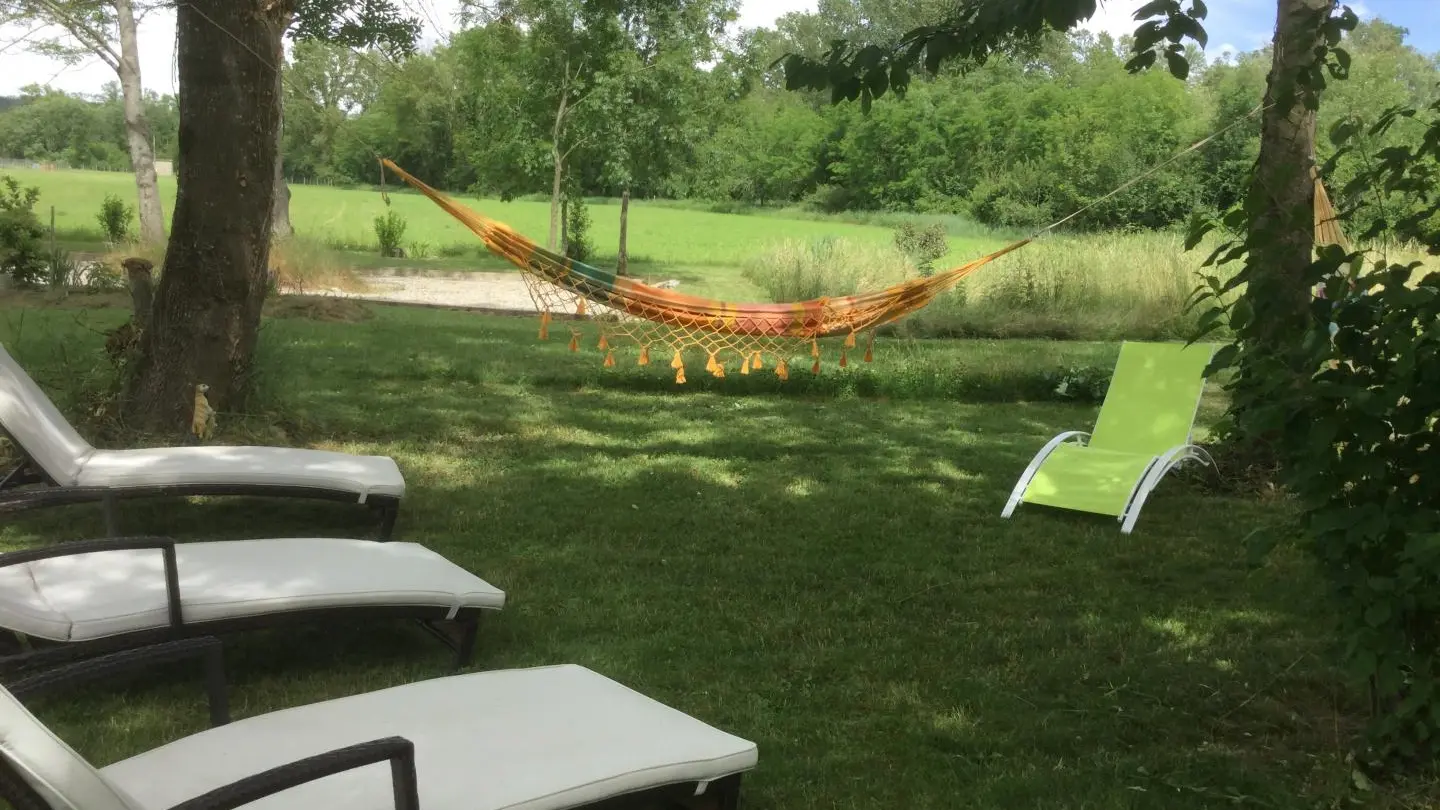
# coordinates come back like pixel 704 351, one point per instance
pixel 827 576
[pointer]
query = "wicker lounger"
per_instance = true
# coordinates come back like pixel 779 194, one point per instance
pixel 60 467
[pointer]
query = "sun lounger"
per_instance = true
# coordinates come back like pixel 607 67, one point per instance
pixel 85 598
pixel 547 738
pixel 60 467
pixel 1143 432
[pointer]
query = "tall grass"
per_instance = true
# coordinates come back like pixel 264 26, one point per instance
pixel 795 270
pixel 1100 287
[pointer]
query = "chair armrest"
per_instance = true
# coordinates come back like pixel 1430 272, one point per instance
pixel 106 666
pixel 398 751
pixel 165 545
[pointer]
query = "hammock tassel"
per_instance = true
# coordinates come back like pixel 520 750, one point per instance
pixel 814 348
pixel 580 306
pixel 574 342
pixel 711 366
pixel 644 355
pixel 609 359
pixel 680 374
pixel 844 358
pixel 678 362
pixel 745 366
pixel 781 370
pixel 870 349
pixel 545 325
pixel 757 362
pixel 604 343
pixel 850 341
pixel 815 369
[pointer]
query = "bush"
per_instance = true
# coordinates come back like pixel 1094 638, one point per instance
pixel 800 271
pixel 924 246
pixel 577 229
pixel 22 256
pixel 114 218
pixel 389 231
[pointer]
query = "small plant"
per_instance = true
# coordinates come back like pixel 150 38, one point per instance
pixel 114 218
pixel 420 250
pixel 924 246
pixel 61 271
pixel 389 231
pixel 1082 383
pixel 577 229
pixel 22 255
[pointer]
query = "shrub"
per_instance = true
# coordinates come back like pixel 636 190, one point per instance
pixel 22 255
pixel 389 231
pixel 114 219
pixel 577 229
pixel 924 246
pixel 798 271
pixel 1350 406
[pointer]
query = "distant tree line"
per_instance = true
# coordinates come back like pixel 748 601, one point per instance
pixel 676 111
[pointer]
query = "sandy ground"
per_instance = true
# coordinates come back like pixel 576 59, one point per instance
pixel 500 291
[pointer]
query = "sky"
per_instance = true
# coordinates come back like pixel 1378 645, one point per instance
pixel 1233 25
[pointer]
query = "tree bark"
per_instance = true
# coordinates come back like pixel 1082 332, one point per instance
pixel 622 264
pixel 137 128
pixel 1282 191
pixel 556 217
pixel 280 227
pixel 206 316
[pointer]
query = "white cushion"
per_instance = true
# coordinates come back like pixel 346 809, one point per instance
pixel 50 767
pixel 106 593
pixel 37 425
pixel 528 739
pixel 270 466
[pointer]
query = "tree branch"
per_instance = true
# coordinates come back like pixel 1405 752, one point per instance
pixel 92 39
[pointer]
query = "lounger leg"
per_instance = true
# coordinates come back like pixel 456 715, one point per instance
pixel 465 652
pixel 389 512
pixel 112 517
pixel 725 793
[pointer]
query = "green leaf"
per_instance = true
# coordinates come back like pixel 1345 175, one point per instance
pixel 1199 10
pixel 1377 614
pixel 1155 8
pixel 1179 65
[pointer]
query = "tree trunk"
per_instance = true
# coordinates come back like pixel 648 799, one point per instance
pixel 137 128
pixel 557 218
pixel 564 225
pixel 280 227
pixel 206 315
pixel 1282 192
pixel 622 264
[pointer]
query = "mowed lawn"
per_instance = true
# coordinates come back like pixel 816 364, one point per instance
pixel 818 570
pixel 658 235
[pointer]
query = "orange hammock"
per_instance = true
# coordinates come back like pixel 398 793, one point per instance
pixel 653 317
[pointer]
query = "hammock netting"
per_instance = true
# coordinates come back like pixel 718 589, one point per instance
pixel 748 336
pixel 662 322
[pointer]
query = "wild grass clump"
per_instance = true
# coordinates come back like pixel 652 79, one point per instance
pixel 1094 287
pixel 299 266
pixel 795 270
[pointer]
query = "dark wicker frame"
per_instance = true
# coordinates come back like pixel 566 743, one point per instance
pixel 27 486
pixel 458 632
pixel 722 794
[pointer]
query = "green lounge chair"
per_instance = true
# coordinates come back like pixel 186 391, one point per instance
pixel 1143 432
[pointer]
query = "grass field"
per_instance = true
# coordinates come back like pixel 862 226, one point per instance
pixel 1073 287
pixel 659 234
pixel 819 567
